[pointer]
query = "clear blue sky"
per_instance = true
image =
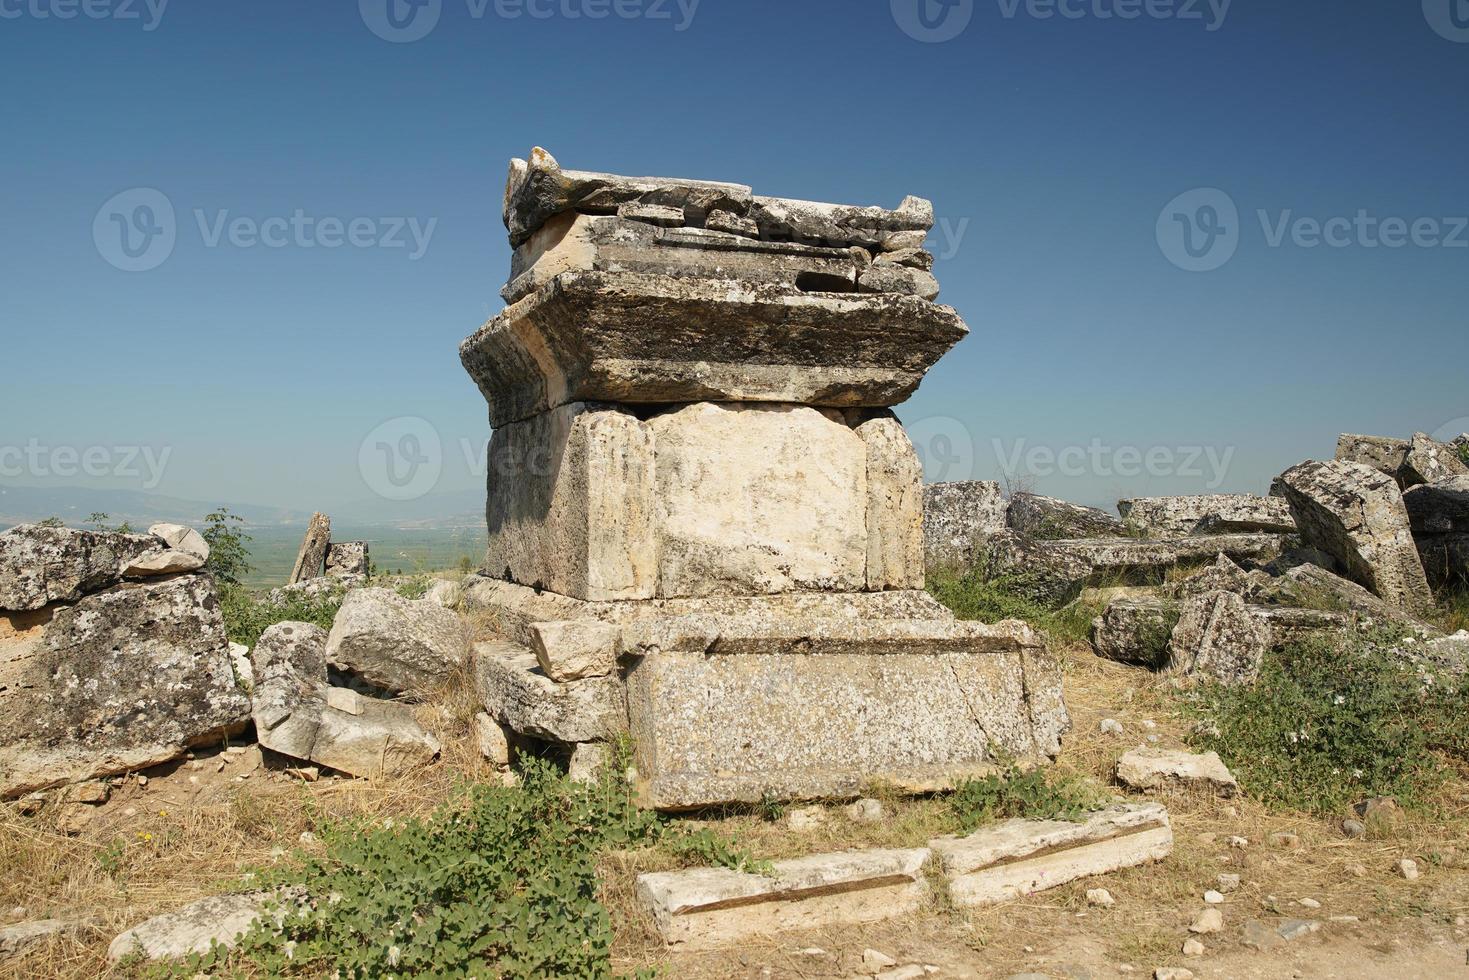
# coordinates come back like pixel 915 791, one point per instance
pixel 1054 143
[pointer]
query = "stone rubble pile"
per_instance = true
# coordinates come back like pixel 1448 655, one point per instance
pixel 706 526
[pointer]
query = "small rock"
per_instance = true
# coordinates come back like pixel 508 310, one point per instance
pixel 811 951
pixel 1408 868
pixel 1213 898
pixel 1353 828
pixel 588 759
pixel 1286 841
pixel 307 838
pixel 1239 843
pixel 1100 897
pixel 307 774
pixel 1173 973
pixel 74 818
pixel 1111 726
pixel 911 972
pixel 93 793
pixel 873 960
pixel 1192 947
pixel 865 810
pixel 1260 936
pixel 1357 870
pixel 142 781
pixel 1228 882
pixel 1209 920
pixel 1309 903
pixel 1296 928
pixel 492 740
pixel 806 818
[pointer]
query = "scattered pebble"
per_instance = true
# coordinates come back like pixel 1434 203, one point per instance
pixel 1287 841
pixel 1213 898
pixel 17 913
pixel 1408 868
pixel 1111 726
pixel 1101 897
pixel 1309 903
pixel 1192 947
pixel 873 960
pixel 1208 921
pixel 1345 918
pixel 1357 870
pixel 804 818
pixel 307 838
pixel 142 781
pixel 1228 882
pixel 1239 843
pixel 1149 724
pixel 1353 828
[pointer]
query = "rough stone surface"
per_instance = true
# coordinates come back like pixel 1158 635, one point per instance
pixel 1440 507
pixel 517 694
pixel 345 559
pixel 710 907
pixel 571 504
pixel 839 224
pixel 1226 576
pixel 192 928
pixel 1429 462
pixel 311 559
pixel 1018 857
pixel 161 561
pixel 587 762
pixel 396 643
pixel 899 279
pixel 758 499
pixel 124 679
pixel 569 651
pixel 894 506
pixel 41 565
pixel 817 709
pixel 181 538
pixel 1384 455
pixel 1219 513
pixel 1217 639
pixel 16 939
pixel 1136 631
pixel 1155 769
pixel 626 337
pixel 1321 587
pixel 1047 518
pixel 1356 515
pixel 958 521
pixel 1445 559
pixel 493 742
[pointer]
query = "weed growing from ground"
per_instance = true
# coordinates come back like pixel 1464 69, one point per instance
pixel 247 615
pixel 1032 795
pixel 978 595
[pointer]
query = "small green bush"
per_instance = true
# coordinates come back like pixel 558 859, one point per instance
pixel 1032 795
pixel 229 556
pixel 1331 721
pixel 247 615
pixel 987 598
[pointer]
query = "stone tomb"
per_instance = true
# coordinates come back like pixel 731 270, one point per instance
pixel 693 447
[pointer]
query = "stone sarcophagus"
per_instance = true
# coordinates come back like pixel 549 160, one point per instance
pixel 694 451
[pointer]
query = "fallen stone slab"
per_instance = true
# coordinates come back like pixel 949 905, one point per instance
pixel 182 538
pixel 16 939
pixel 1255 586
pixel 1150 769
pixel 161 561
pixel 1357 515
pixel 1441 507
pixel 712 907
pixel 1136 631
pixel 1429 462
pixel 311 558
pixel 1017 858
pixel 1048 519
pixel 516 693
pixel 401 645
pixel 625 337
pixel 347 559
pixel 815 222
pixel 1384 455
pixel 1445 559
pixel 1217 639
pixel 44 565
pixel 195 927
pixel 958 521
pixel 1322 588
pixel 1218 513
pixel 123 679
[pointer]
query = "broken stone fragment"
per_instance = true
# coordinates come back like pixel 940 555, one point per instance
pixel 16 939
pixel 41 565
pixel 1136 631
pixel 311 558
pixel 181 538
pixel 912 258
pixel 711 907
pixel 899 280
pixel 894 506
pixel 1429 462
pixel 958 521
pixel 626 337
pixel 1220 513
pixel 517 694
pixel 1019 857
pixel 121 680
pixel 1217 639
pixel 347 559
pixel 815 223
pixel 652 214
pixel 398 644
pixel 161 561
pixel 492 740
pixel 196 927
pixel 1356 515
pixel 1047 518
pixel 569 651
pixel 1384 455
pixel 587 762
pixel 731 223
pixel 1156 769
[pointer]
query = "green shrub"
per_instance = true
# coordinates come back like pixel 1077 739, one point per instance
pixel 1032 795
pixel 987 598
pixel 1332 721
pixel 501 882
pixel 247 615
pixel 229 559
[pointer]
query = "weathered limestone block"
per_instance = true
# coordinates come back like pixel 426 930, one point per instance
pixel 1136 631
pixel 584 243
pixel 1356 515
pixel 900 280
pixel 958 521
pixel 1047 518
pixel 515 609
pixel 894 506
pixel 1017 858
pixel 1429 462
pixel 568 651
pixel 1320 587
pixel 538 189
pixel 839 224
pixel 1217 639
pixel 571 503
pixel 124 679
pixel 161 561
pixel 1218 513
pixel 346 559
pixel 1384 455
pixel 711 907
pixel 1225 575
pixel 1445 559
pixel 396 643
pixel 195 927
pixel 1440 507
pixel 311 559
pixel 181 538
pixel 758 499
pixel 1283 625
pixel 806 709
pixel 1149 769
pixel 519 695
pixel 41 565
pixel 17 939
pixel 635 338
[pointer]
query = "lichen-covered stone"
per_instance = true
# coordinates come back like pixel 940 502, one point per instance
pixel 1218 513
pixel 1047 518
pixel 1384 455
pixel 122 680
pixel 41 565
pixel 1155 769
pixel 894 506
pixel 1136 631
pixel 1319 587
pixel 1217 639
pixel 401 645
pixel 958 521
pixel 1429 461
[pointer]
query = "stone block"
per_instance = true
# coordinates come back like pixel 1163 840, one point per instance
pixel 571 504
pixel 398 644
pixel 712 907
pixel 958 521
pixel 1384 455
pixel 41 565
pixel 516 693
pixel 1047 518
pixel 1217 639
pixel 1017 858
pixel 1135 631
pixel 1154 769
pixel 894 506
pixel 1216 513
pixel 569 651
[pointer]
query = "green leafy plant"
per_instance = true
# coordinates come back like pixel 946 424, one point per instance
pixel 99 519
pixel 1032 794
pixel 989 598
pixel 229 558
pixel 246 615
pixel 51 522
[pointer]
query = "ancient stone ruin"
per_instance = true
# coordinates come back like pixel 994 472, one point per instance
pixel 705 522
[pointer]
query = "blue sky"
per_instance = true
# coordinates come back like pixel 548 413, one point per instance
pixel 1052 147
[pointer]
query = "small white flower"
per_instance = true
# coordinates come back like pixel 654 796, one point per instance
pixel 394 955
